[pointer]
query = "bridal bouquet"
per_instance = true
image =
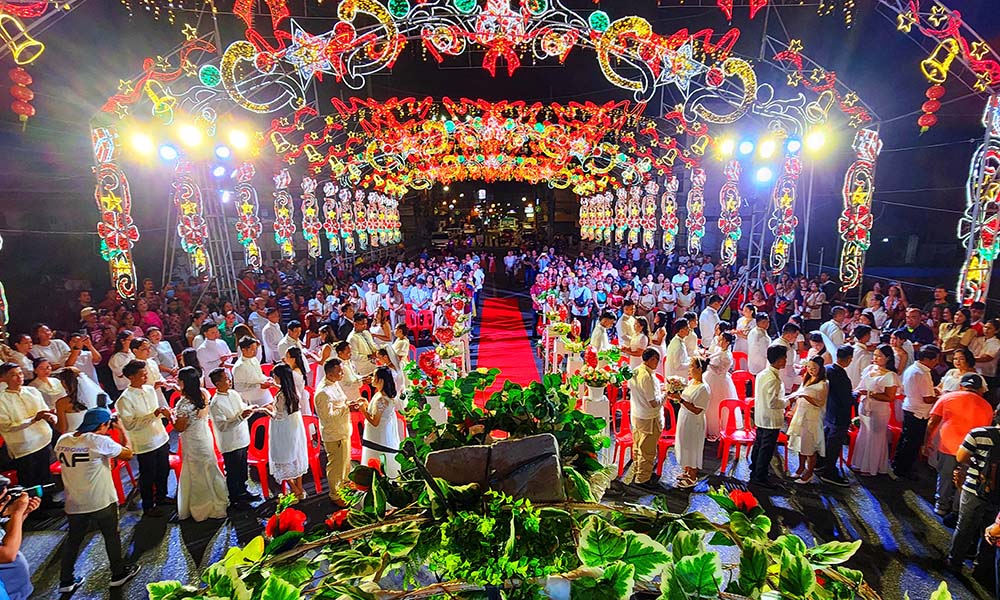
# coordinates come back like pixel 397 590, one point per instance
pixel 675 385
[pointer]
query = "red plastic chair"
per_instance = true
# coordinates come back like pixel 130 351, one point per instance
pixel 621 427
pixel 366 392
pixel 895 429
pixel 357 429
pixel 731 435
pixel 740 379
pixel 669 436
pixel 257 456
pixel 412 323
pixel 314 442
pixel 116 470
pixel 740 357
pixel 266 369
pixel 425 322
pixel 852 437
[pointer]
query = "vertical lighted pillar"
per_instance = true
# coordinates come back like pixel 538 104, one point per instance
pixel 979 227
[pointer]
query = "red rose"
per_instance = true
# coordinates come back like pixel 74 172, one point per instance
pixel 375 464
pixel 590 357
pixel 744 501
pixel 291 519
pixel 820 580
pixel 271 529
pixel 337 519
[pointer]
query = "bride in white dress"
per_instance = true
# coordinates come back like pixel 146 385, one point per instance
pixel 287 454
pixel 690 447
pixel 720 383
pixel 878 390
pixel 805 431
pixel 201 491
pixel 382 428
pixel 293 358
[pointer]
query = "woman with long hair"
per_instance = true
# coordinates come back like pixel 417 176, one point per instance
pixel 746 322
pixel 50 387
pixel 691 423
pixel 902 348
pixel 71 407
pixel 637 344
pixel 120 356
pixel 201 488
pixel 293 358
pixel 720 382
pixel 685 300
pixel 895 305
pixel 327 350
pixel 805 431
pixel 956 334
pixel 287 454
pixel 189 358
pixel 877 390
pixel 381 417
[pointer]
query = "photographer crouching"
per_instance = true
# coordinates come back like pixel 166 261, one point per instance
pixel 15 504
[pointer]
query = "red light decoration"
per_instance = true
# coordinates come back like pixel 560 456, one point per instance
pixel 823 82
pixel 248 226
pixel 726 6
pixel 311 225
pixel 730 223
pixel 855 222
pixel 648 219
pixel 979 227
pixel 695 221
pixel 669 222
pixel 29 10
pixel 22 94
pixel 116 229
pixel 331 220
pixel 284 211
pixel 783 220
pixel 191 225
pixel 154 69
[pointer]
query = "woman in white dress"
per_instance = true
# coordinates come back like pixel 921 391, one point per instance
pixel 965 362
pixel 293 358
pixel 120 356
pixel 201 490
pixel 326 351
pixel 691 424
pixel 744 324
pixel 818 347
pixel 381 417
pixel 287 454
pixel 720 383
pixel 878 393
pixel 805 431
pixel 80 390
pixel 685 300
pixel 50 387
pixel 637 343
pixel 401 345
pixel 165 357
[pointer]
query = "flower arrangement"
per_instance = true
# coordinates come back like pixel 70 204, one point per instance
pixel 553 317
pixel 448 351
pixel 575 347
pixel 560 329
pixel 595 376
pixel 675 385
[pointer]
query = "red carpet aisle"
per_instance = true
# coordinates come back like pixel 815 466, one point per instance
pixel 504 343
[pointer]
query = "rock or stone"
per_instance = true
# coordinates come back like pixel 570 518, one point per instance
pixel 523 468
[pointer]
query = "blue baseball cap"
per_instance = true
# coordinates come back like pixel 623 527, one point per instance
pixel 93 419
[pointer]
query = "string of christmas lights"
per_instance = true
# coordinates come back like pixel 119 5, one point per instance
pixel 855 222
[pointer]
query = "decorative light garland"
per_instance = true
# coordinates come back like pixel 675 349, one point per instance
pixel 361 218
pixel 621 215
pixel 23 48
pixel 117 230
pixel 284 211
pixel 248 225
pixel 981 220
pixel 730 223
pixel 347 222
pixel 648 220
pixel 311 225
pixel 856 220
pixel 695 221
pixel 331 220
pixel 669 221
pixel 634 214
pixel 783 220
pixel 191 225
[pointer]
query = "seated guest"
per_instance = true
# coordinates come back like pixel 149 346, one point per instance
pixel 26 426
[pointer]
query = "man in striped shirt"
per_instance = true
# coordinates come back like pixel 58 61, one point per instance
pixel 979 502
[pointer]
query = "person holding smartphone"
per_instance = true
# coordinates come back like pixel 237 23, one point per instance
pixel 15 575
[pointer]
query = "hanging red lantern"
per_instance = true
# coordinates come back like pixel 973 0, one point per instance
pixel 926 121
pixel 22 94
pixel 931 106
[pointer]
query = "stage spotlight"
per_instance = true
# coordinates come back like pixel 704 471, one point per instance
pixel 793 145
pixel 219 171
pixel 764 174
pixel 767 148
pixel 238 139
pixel 815 140
pixel 746 147
pixel 190 135
pixel 226 195
pixel 727 147
pixel 223 152
pixel 168 152
pixel 143 144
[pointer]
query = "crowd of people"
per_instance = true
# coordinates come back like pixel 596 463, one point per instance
pixel 894 382
pixel 218 375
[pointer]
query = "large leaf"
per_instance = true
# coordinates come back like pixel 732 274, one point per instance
pixel 344 592
pixel 698 576
pixel 225 582
pixel 792 543
pixel 170 590
pixel 351 564
pixel 645 554
pixel 753 568
pixel 616 583
pixel 601 543
pixel 396 541
pixel 797 579
pixel 278 589
pixel 295 573
pixel 283 542
pixel 687 543
pixel 941 593
pixel 248 555
pixel 577 488
pixel 832 553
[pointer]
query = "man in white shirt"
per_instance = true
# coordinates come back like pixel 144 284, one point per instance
pixel 363 348
pixel 768 415
pixel 212 353
pixel 787 340
pixel 232 435
pixel 271 336
pixel 919 398
pixel 862 354
pixel 351 382
pixel 599 340
pixel 709 319
pixel 834 328
pixel 678 360
pixel 249 380
pixel 420 297
pixel 646 403
pixel 757 344
pixel 141 415
pixel 987 350
pixel 85 456
pixel 315 304
pixel 142 350
pixel 625 326
pixel 258 318
pixel 55 351
pixel 293 339
pixel 334 412
pixel 26 426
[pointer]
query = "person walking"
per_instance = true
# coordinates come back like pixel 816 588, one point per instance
pixel 646 409
pixel 840 401
pixel 769 415
pixel 85 456
pixel 230 414
pixel 919 398
pixel 978 473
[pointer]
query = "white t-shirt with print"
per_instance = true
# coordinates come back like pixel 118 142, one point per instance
pixel 86 471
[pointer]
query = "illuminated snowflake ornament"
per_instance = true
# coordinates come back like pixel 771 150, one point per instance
pixel 307 53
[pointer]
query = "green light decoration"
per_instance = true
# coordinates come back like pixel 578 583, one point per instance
pixel 399 8
pixel 465 6
pixel 599 21
pixel 210 75
pixel 537 7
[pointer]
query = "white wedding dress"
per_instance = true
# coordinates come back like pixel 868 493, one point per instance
pixel 201 491
pixel 386 433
